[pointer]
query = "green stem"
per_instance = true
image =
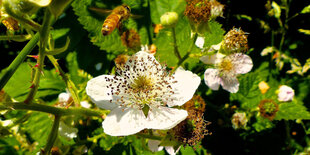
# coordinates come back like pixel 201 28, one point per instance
pixel 69 84
pixel 40 62
pixel 52 136
pixel 176 51
pixel 189 51
pixel 18 60
pixel 149 136
pixel 18 38
pixel 50 109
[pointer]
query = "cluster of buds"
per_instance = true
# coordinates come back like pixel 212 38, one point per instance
pixel 235 41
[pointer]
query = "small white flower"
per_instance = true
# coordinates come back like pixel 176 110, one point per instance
pixel 226 71
pixel 67 131
pixel 154 147
pixel 286 93
pixel 142 83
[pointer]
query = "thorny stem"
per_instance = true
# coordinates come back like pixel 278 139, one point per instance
pixel 52 136
pixel 40 61
pixel 69 84
pixel 189 50
pixel 176 51
pixel 18 60
pixel 51 109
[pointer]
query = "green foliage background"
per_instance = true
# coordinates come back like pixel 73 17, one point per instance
pixel 88 49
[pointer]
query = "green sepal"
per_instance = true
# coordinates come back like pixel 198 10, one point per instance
pixel 146 110
pixel 59 50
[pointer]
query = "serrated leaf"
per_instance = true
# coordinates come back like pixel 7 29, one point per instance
pixel 292 111
pixel 164 43
pixel 215 35
pixel 248 88
pixel 93 24
pixel 110 43
pixel 262 124
pixel 50 83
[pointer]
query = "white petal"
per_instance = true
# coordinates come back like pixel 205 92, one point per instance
pixel 154 145
pixel 170 150
pixel 200 42
pixel 184 89
pixel 242 63
pixel 97 90
pixel 212 78
pixel 212 59
pixel 41 3
pixel 164 118
pixel 149 63
pixel 230 84
pixel 123 122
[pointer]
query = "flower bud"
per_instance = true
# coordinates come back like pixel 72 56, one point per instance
pixel 169 19
pixel 286 93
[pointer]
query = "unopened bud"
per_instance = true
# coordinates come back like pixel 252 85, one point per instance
pixel 169 19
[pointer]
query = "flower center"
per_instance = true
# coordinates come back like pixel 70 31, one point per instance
pixel 226 65
pixel 142 84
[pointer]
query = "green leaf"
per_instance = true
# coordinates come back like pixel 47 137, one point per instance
pixel 38 126
pixel 215 36
pixel 262 124
pixel 159 7
pixel 57 6
pixel 93 24
pixel 292 111
pixel 164 43
pixel 50 83
pixel 276 9
pixel 110 43
pixel 248 88
pixel 305 10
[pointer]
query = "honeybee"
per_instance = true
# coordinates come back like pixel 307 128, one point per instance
pixel 114 19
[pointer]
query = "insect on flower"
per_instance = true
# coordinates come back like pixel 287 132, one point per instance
pixel 114 19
